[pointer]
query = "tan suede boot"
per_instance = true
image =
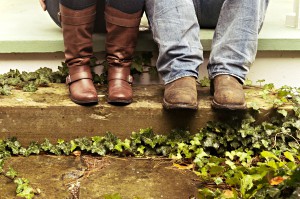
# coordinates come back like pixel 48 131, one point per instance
pixel 228 93
pixel 77 27
pixel 121 38
pixel 181 94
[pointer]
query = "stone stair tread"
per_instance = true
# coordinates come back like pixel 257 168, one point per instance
pixel 48 113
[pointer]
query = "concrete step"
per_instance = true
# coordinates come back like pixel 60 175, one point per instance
pixel 93 177
pixel 48 113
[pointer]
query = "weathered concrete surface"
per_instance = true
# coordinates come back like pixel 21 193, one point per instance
pixel 49 113
pixel 95 177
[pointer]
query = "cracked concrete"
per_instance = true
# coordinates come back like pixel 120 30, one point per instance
pixel 91 177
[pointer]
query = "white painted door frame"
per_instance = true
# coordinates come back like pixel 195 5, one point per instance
pixel 293 19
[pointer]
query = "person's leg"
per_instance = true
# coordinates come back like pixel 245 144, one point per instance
pixel 77 20
pixel 234 49
pixel 176 30
pixel 122 25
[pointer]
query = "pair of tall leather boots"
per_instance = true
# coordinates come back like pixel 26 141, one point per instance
pixel 122 31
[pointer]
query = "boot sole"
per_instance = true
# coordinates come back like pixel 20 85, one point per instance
pixel 228 106
pixel 84 103
pixel 119 102
pixel 169 106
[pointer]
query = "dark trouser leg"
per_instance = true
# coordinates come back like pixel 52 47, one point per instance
pixel 78 4
pixel 127 6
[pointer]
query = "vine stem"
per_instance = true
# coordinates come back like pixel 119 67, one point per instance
pixel 284 134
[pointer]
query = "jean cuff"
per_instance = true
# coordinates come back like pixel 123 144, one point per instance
pixel 241 80
pixel 181 76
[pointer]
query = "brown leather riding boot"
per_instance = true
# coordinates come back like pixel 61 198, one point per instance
pixel 122 32
pixel 181 94
pixel 228 93
pixel 77 27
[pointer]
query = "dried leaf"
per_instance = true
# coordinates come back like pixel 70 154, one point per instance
pixel 276 181
pixel 183 166
pixel 228 194
pixel 77 153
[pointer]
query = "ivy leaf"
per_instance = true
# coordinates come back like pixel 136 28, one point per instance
pixel 215 170
pixel 207 193
pixel 230 164
pixel 5 90
pixel 289 156
pixel 282 112
pixel 248 82
pixel 246 184
pixel 11 173
pixel 140 149
pixel 24 190
pixel 205 82
pixel 268 155
pixel 260 81
pixel 14 145
pixel 119 145
pixel 30 87
pixel 272 164
pixel 73 145
pixel 218 180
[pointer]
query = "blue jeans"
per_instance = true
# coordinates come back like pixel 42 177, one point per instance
pixel 176 30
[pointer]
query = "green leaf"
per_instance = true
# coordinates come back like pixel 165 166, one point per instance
pixel 289 156
pixel 218 180
pixel 230 164
pixel 246 184
pixel 140 149
pixel 269 155
pixel 206 193
pixel 205 82
pixel 282 112
pixel 24 190
pixel 214 170
pixel 272 164
pixel 11 173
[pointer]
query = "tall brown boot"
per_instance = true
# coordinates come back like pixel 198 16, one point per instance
pixel 77 27
pixel 122 32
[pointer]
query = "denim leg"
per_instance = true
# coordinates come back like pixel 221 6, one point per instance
pixel 235 40
pixel 176 30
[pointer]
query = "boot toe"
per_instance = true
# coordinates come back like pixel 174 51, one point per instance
pixel 181 94
pixel 224 96
pixel 84 98
pixel 228 93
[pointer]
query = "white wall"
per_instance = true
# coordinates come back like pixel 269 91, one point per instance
pixel 280 68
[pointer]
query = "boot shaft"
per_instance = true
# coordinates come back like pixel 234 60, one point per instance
pixel 122 33
pixel 77 28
